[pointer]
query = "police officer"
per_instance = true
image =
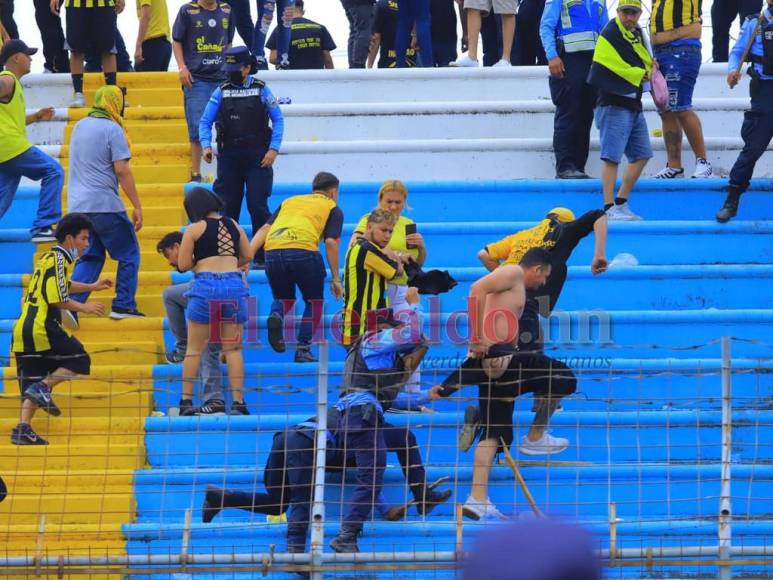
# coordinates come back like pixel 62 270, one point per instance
pixel 757 128
pixel 249 134
pixel 569 31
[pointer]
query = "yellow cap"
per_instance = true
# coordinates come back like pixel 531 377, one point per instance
pixel 629 5
pixel 563 214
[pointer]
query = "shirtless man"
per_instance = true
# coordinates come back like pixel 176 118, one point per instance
pixel 503 373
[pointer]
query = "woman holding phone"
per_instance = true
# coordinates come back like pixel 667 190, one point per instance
pixel 406 240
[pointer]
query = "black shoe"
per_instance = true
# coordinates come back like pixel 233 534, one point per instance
pixel 120 313
pixel 211 407
pixel 42 235
pixel 730 208
pixel 470 428
pixel 40 394
pixel 432 499
pixel 345 542
pixel 213 504
pixel 174 358
pixel 572 174
pixel 276 333
pixel 186 408
pixel 23 434
pixel 303 355
pixel 239 408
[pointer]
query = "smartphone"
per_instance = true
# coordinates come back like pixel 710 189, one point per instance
pixel 410 229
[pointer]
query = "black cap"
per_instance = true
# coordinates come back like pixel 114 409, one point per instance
pixel 236 58
pixel 15 46
pixel 299 4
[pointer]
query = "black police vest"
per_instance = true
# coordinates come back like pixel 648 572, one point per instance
pixel 242 120
pixel 385 384
pixel 766 29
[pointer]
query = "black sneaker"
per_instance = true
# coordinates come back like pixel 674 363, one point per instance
pixel 23 434
pixel 42 235
pixel 120 313
pixel 40 394
pixel 730 208
pixel 186 408
pixel 211 407
pixel 470 428
pixel 239 408
pixel 275 333
pixel 213 504
pixel 174 358
pixel 432 499
pixel 345 542
pixel 303 355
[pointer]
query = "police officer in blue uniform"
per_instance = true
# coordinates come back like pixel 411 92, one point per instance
pixel 249 134
pixel 757 128
pixel 569 30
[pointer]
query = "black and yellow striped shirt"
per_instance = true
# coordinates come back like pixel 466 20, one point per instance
pixel 49 284
pixel 366 272
pixel 670 14
pixel 89 3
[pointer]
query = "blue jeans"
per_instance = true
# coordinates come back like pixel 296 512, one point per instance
pixel 223 292
pixel 195 101
pixel 411 11
pixel 623 131
pixel 265 16
pixel 114 233
pixel 679 64
pixel 360 17
pixel 34 164
pixel 305 269
pixel 175 303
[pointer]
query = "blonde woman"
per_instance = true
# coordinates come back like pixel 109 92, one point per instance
pixel 405 241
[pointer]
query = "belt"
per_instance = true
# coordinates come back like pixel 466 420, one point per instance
pixel 682 48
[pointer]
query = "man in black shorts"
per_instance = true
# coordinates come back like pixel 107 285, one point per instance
pixel 91 25
pixel 503 373
pixel 46 354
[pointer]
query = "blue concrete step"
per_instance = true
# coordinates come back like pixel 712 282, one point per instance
pixel 609 438
pixel 605 383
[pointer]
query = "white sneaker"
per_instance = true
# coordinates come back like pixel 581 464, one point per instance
pixel 545 445
pixel 479 510
pixel 78 101
pixel 622 213
pixel 464 61
pixel 670 173
pixel 503 63
pixel 702 169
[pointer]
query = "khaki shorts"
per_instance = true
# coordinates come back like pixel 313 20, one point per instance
pixel 499 6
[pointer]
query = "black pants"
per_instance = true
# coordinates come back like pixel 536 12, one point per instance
pixel 527 47
pixel 491 34
pixel 757 132
pixel 238 170
pixel 6 17
pixel 575 100
pixel 156 53
pixel 122 59
pixel 50 26
pixel 723 12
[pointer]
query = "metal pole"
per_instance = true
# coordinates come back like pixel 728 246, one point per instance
pixel 725 572
pixel 318 508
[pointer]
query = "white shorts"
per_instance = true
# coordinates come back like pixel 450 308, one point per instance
pixel 499 6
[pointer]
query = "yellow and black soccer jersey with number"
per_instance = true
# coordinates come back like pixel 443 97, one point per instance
pixel 89 3
pixel 670 14
pixel 49 284
pixel 366 272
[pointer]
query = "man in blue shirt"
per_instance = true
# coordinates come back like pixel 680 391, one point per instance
pixel 569 31
pixel 757 128
pixel 241 109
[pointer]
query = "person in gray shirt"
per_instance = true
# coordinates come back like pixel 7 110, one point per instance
pixel 99 161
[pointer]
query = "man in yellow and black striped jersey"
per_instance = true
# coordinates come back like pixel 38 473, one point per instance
pixel 90 25
pixel 369 265
pixel 675 27
pixel 47 354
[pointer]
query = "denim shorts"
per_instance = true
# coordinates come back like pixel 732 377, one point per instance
pixel 623 131
pixel 196 99
pixel 212 292
pixel 680 65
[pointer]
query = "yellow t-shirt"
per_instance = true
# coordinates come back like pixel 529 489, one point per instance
pixel 159 19
pixel 13 123
pixel 397 243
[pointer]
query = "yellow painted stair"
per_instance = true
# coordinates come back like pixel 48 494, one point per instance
pixel 81 484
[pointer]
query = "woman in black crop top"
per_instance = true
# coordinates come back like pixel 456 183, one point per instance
pixel 215 248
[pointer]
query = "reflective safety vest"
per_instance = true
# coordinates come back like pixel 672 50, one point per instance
pixel 578 29
pixel 766 30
